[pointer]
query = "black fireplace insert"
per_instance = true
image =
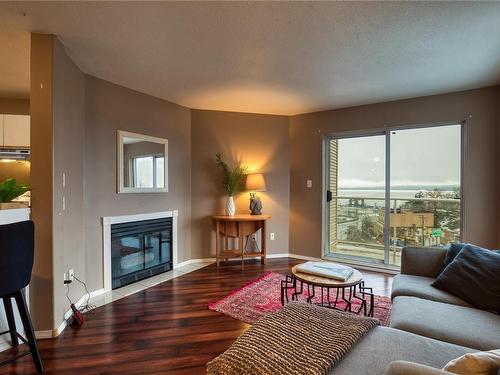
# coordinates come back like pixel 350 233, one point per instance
pixel 140 249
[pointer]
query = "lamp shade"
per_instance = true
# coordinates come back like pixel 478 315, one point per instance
pixel 255 182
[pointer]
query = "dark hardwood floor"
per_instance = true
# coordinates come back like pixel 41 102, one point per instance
pixel 164 329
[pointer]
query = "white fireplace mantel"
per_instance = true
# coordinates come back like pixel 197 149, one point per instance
pixel 106 237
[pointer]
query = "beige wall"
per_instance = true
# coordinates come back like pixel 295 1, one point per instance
pixel 259 140
pixel 19 170
pixel 41 140
pixel 68 158
pixel 476 107
pixel 15 106
pixel 110 108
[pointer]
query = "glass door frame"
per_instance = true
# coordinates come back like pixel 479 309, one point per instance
pixel 385 131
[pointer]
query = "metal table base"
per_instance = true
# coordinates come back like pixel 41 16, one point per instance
pixel 330 296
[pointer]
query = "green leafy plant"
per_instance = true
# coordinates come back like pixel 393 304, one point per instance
pixel 10 190
pixel 233 177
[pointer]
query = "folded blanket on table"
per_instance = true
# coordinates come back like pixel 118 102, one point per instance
pixel 299 339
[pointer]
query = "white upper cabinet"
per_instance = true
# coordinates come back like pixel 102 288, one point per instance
pixel 15 130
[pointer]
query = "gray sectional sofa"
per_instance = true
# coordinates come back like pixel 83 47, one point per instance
pixel 428 327
pixel 425 310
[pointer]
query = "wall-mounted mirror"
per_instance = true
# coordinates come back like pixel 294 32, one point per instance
pixel 142 163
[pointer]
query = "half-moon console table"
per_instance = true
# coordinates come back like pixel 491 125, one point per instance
pixel 239 227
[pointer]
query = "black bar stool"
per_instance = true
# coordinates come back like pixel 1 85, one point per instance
pixel 16 263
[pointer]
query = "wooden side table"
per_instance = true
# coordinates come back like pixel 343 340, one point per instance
pixel 239 226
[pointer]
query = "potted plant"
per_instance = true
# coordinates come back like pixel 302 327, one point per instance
pixel 10 190
pixel 233 181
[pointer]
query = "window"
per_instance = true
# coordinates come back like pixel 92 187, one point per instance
pixel 391 189
pixel 149 171
pixel 160 175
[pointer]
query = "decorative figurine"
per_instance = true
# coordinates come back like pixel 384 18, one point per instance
pixel 255 204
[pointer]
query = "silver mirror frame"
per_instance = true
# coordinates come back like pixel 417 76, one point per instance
pixel 121 188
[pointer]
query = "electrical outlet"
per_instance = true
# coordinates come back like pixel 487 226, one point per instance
pixel 67 277
pixel 71 274
pixel 272 236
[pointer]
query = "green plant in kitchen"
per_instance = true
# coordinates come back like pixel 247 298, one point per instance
pixel 232 181
pixel 10 190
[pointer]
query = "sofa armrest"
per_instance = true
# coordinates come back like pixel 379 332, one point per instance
pixel 422 261
pixel 411 368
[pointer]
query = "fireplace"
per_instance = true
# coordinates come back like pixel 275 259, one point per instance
pixel 140 249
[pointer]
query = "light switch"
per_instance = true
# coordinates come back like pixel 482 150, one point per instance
pixel 309 183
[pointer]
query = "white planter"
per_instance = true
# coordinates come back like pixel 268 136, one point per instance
pixel 230 207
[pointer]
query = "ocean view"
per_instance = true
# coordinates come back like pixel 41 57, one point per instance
pixel 380 193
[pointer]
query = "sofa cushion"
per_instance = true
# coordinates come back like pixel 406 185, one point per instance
pixel 419 286
pixel 422 261
pixel 459 325
pixel 382 345
pixel 474 276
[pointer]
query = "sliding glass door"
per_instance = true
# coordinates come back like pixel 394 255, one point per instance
pixel 392 189
pixel 356 198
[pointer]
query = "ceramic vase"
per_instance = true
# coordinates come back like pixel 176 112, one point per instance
pixel 230 207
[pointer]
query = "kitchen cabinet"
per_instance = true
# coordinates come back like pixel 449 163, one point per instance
pixel 15 130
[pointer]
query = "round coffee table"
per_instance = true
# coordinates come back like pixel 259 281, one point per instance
pixel 332 291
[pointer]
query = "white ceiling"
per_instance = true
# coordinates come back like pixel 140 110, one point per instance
pixel 274 57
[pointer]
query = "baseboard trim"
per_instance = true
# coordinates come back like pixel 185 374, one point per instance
pixel 304 257
pixel 50 334
pixel 213 260
pixel 45 334
pixel 185 263
pixel 191 261
pixel 278 255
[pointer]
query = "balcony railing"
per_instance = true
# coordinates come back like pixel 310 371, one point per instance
pixel 357 225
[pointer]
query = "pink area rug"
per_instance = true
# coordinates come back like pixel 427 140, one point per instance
pixel 263 296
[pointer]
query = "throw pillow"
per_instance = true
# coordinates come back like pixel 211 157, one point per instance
pixel 479 363
pixel 452 252
pixel 474 276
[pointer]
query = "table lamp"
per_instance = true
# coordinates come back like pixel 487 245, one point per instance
pixel 255 182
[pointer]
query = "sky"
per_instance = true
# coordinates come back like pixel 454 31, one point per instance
pixel 425 156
